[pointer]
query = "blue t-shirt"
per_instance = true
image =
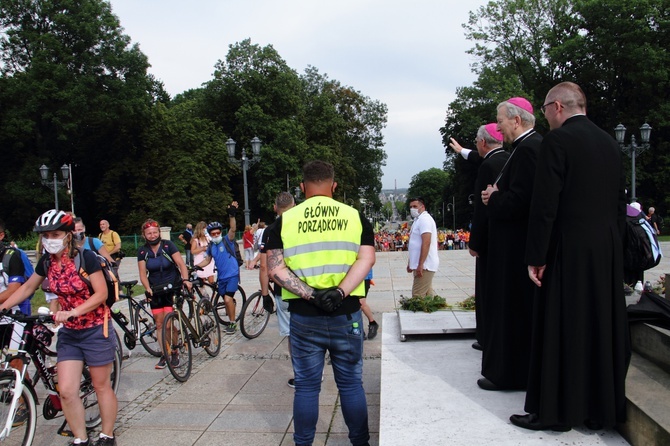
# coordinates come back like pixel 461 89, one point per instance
pixel 97 243
pixel 226 264
pixel 160 269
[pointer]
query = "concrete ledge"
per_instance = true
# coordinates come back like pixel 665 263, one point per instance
pixel 652 343
pixel 648 393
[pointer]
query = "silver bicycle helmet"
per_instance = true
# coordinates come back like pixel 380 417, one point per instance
pixel 54 220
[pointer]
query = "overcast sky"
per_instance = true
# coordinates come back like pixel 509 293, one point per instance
pixel 409 55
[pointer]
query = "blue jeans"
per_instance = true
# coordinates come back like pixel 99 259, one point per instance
pixel 311 337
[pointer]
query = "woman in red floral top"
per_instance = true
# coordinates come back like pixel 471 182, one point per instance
pixel 83 337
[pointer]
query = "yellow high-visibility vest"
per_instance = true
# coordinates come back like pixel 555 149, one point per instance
pixel 321 237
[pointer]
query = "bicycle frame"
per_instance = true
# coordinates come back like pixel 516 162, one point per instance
pixel 195 332
pixel 18 390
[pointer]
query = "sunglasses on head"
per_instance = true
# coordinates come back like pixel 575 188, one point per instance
pixel 150 224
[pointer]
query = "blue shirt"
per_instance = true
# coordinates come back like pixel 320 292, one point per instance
pixel 226 264
pixel 97 243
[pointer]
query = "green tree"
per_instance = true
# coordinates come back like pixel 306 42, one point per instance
pixel 73 90
pixel 431 185
pixel 616 51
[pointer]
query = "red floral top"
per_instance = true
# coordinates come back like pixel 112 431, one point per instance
pixel 71 290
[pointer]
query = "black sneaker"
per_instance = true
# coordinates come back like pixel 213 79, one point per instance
pixel 372 330
pixel 174 359
pixel 291 383
pixel 105 441
pixel 230 329
pixel 161 363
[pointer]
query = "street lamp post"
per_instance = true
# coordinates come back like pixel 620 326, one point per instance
pixel 452 207
pixel 245 163
pixel 633 148
pixel 66 172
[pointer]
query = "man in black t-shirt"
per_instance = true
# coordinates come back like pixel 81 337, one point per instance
pixel 320 252
pixel 185 238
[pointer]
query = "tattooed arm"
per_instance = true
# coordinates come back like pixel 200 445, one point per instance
pixel 282 275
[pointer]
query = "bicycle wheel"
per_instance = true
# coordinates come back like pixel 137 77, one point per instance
pixel 24 420
pixel 146 329
pixel 254 318
pixel 177 341
pixel 210 328
pixel 220 307
pixel 87 392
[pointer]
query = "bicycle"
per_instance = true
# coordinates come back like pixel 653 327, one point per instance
pixel 255 316
pixel 179 331
pixel 211 290
pixel 18 398
pixel 139 324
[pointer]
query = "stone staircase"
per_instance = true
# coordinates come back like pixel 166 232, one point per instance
pixel 648 387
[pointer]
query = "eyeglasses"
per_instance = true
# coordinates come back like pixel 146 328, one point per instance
pixel 544 107
pixel 150 224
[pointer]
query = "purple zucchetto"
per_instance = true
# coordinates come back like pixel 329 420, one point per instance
pixel 521 103
pixel 492 128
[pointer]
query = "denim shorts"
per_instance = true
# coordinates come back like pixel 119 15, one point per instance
pixel 88 345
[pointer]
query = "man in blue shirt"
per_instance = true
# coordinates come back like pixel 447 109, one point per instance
pixel 222 250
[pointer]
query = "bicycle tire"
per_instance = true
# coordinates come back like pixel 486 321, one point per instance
pixel 220 312
pixel 146 329
pixel 24 433
pixel 172 329
pixel 254 317
pixel 87 392
pixel 209 324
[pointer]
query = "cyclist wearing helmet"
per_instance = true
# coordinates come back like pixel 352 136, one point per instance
pixel 162 271
pixel 228 273
pixel 82 312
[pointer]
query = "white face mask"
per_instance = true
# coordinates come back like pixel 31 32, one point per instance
pixel 217 240
pixel 414 212
pixel 53 245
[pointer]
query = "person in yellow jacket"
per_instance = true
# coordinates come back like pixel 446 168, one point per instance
pixel 320 253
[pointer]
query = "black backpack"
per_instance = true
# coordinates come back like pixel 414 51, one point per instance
pixel 641 248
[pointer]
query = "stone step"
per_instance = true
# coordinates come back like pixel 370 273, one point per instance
pixel 652 343
pixel 648 393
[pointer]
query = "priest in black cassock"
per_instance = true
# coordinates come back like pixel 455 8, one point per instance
pixel 509 293
pixel 489 147
pixel 580 347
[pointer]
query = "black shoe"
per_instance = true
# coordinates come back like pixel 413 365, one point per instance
pixel 291 383
pixel 487 385
pixel 532 421
pixel 593 425
pixel 372 330
pixel 477 346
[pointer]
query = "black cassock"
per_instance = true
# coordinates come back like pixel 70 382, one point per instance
pixel 581 347
pixel 479 233
pixel 509 291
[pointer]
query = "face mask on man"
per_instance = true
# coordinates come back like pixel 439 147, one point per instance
pixel 53 245
pixel 78 236
pixel 414 212
pixel 217 240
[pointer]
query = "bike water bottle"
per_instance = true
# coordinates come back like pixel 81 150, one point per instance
pixel 122 317
pixel 647 286
pixel 355 330
pixel 638 286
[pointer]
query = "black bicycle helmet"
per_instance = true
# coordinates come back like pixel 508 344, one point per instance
pixel 54 220
pixel 214 225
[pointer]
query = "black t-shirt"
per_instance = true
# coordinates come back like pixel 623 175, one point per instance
pixel 263 249
pixel 302 306
pixel 187 236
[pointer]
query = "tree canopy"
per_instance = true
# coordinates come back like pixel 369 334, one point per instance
pixel 75 90
pixel 615 50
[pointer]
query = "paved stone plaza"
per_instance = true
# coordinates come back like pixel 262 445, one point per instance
pixel 424 388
